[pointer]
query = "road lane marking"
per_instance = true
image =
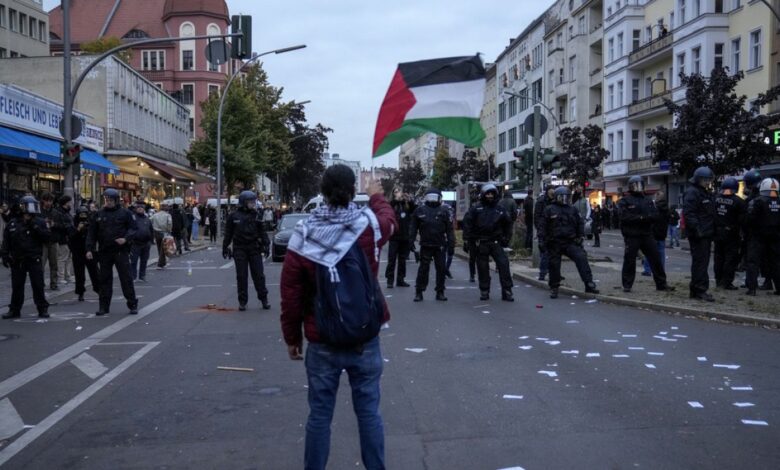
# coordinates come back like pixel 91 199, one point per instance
pixel 31 435
pixel 91 367
pixel 33 372
pixel 228 265
pixel 10 421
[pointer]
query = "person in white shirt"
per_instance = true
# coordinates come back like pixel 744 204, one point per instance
pixel 162 223
pixel 195 221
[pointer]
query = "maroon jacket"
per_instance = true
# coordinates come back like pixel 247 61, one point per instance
pixel 298 286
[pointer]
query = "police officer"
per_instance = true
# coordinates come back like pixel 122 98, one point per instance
pixel 437 236
pixel 545 200
pixel 399 245
pixel 244 228
pixel 763 216
pixel 729 219
pixel 489 227
pixel 562 231
pixel 699 213
pixel 78 250
pixel 23 241
pixel 110 236
pixel 637 216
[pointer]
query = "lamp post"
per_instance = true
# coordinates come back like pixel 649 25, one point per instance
pixel 219 124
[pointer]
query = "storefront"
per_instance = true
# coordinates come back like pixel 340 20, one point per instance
pixel 156 181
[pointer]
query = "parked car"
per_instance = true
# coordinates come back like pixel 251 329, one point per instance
pixel 282 237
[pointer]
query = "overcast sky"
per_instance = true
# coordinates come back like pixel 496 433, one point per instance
pixel 354 47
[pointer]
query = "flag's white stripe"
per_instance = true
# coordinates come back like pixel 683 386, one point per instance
pixel 459 99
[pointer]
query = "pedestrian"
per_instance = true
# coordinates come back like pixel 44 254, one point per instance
pixel 78 250
pixel 660 227
pixel 763 215
pixel 142 243
pixel 545 199
pixel 50 246
pixel 109 239
pixel 562 230
pixel 162 224
pixel 189 218
pixel 638 215
pixel 244 229
pixel 509 205
pixel 211 221
pixel 61 231
pixel 338 230
pixel 399 246
pixel 437 237
pixel 597 222
pixel 528 218
pixel 730 211
pixel 674 227
pixel 699 212
pixel 21 251
pixel 195 221
pixel 177 227
pixel 268 218
pixel 489 227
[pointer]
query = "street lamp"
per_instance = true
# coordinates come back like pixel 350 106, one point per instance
pixel 219 123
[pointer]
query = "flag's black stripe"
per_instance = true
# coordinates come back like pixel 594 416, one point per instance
pixel 436 71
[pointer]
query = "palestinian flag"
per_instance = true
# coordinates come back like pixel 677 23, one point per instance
pixel 443 96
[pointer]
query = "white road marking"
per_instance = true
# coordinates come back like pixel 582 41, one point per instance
pixel 743 404
pixel 228 265
pixel 91 367
pixel 10 421
pixel 695 404
pixel 33 372
pixel 513 397
pixel 51 420
pixel 755 422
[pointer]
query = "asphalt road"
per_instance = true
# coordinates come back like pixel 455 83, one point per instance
pixel 492 385
pixel 678 260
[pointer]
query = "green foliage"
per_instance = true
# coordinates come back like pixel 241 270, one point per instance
pixel 445 170
pixel 473 168
pixel 307 145
pixel 715 128
pixel 582 154
pixel 410 176
pixel 106 43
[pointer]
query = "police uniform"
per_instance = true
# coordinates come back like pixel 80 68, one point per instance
pixel 699 213
pixel 110 224
pixel 244 228
pixel 23 242
pixel 729 218
pixel 637 218
pixel 763 217
pixel 541 205
pixel 399 245
pixel 433 223
pixel 488 227
pixel 78 250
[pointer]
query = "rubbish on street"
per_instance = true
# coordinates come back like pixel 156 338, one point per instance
pixel 650 366
pixel 743 404
pixel 553 343
pixel 701 359
pixel 680 336
pixel 636 348
pixel 522 337
pixel 78 328
pixel 593 355
pixel 591 301
pixel 513 397
pixel 754 422
pixel 742 389
pixel 542 339
pixel 629 336
pixel 695 404
pixel 416 350
pixel 620 355
pixel 572 322
pixel 236 369
pixel 727 366
pixel 674 328
pixel 526 348
pixel 549 373
pixel 655 354
pixel 539 306
pixel 610 341
pixel 573 351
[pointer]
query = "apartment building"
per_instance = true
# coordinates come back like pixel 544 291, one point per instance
pixel 24 29
pixel 489 117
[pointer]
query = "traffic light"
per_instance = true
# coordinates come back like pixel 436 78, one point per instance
pixel 524 166
pixel 551 160
pixel 241 47
pixel 71 154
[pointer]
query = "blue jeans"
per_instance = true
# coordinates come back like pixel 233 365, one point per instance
pixel 323 370
pixel 674 236
pixel 139 253
pixel 661 245
pixel 194 231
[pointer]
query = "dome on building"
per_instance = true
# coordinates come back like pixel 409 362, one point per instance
pixel 216 8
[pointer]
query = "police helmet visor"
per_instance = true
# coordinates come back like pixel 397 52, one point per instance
pixel 564 199
pixel 30 207
pixel 432 197
pixel 636 186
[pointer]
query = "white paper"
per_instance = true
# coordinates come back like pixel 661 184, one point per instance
pixel 573 351
pixel 526 348
pixel 571 322
pixel 629 336
pixel 727 366
pixel 702 359
pixel 549 373
pixel 695 404
pixel 522 337
pixel 742 389
pixel 542 339
pixel 636 348
pixel 655 354
pixel 78 328
pixel 416 350
pixel 553 343
pixel 674 328
pixel 512 468
pixel 680 336
pixel 743 404
pixel 513 397
pixel 486 311
pixel 593 355
pixel 591 301
pixel 610 341
pixel 755 422
pixel 620 355
pixel 650 366
pixel 663 332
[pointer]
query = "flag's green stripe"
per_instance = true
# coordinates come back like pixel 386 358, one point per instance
pixel 468 131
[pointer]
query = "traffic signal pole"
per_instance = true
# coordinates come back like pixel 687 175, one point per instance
pixel 71 171
pixel 537 176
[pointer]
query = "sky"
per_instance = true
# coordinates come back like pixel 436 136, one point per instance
pixel 354 47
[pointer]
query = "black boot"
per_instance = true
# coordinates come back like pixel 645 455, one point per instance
pixel 44 313
pixel 101 313
pixel 242 307
pixel 506 295
pixel 11 315
pixel 471 279
pixel 266 305
pixel 554 293
pixel 418 296
pixel 665 288
pixel 389 284
pixel 403 284
pixel 81 297
pixel 484 295
pixel 440 297
pixel 133 308
pixel 590 288
pixel 751 292
pixel 702 296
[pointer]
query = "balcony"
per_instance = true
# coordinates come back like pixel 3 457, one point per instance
pixel 157 75
pixel 652 49
pixel 654 103
pixel 596 35
pixel 596 77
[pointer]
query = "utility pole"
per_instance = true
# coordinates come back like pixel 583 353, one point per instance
pixel 71 171
pixel 537 178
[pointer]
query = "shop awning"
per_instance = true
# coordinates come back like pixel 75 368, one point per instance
pixel 19 144
pixel 181 175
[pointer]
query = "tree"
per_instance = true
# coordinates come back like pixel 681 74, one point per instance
pixel 473 168
pixel 582 153
pixel 713 127
pixel 410 176
pixel 389 181
pixel 445 170
pixel 307 145
pixel 104 44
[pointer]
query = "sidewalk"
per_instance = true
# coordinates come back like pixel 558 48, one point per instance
pixel 66 289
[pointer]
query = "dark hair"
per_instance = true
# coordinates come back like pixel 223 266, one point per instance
pixel 47 197
pixel 338 185
pixel 64 200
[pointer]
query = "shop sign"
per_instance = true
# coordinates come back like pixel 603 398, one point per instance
pixel 26 111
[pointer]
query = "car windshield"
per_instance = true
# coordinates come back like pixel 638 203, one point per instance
pixel 289 221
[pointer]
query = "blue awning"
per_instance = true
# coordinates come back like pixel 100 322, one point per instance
pixel 22 145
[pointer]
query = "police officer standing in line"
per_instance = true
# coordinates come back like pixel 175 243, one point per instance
pixel 437 236
pixel 562 231
pixel 763 216
pixel 399 245
pixel 637 217
pixel 244 228
pixel 729 219
pixel 699 213
pixel 23 240
pixel 545 200
pixel 489 227
pixel 78 250
pixel 110 236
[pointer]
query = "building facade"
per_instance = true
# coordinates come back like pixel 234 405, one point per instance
pixel 330 159
pixel 489 117
pixel 24 29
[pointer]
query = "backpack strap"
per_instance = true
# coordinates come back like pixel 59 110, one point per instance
pixel 377 231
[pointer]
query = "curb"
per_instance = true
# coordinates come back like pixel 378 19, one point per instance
pixel 71 286
pixel 731 317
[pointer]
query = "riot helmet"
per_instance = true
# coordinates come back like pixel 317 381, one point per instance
pixel 729 186
pixel 703 177
pixel 29 205
pixel 82 214
pixel 751 179
pixel 486 190
pixel 636 185
pixel 432 197
pixel 563 196
pixel 247 199
pixel 111 197
pixel 769 187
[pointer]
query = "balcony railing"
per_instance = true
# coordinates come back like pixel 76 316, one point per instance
pixel 647 104
pixel 651 48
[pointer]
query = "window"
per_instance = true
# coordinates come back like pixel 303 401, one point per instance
pixel 634 90
pixel 718 55
pixel 2 16
pixel 502 142
pixel 611 49
pixel 152 60
pixel 611 98
pixel 648 87
pixel 620 45
pixel 536 90
pixel 551 81
pixel 620 145
pixel 512 106
pixel 562 112
pixel 609 12
pixel 3 53
pixel 571 31
pixel 735 46
pixel 187 60
pixel 559 39
pixel 560 75
pixel 649 33
pixel 718 6
pixel 32 30
pixel 611 145
pixel 696 7
pixel 42 31
pixel 188 94
pixel 635 39
pixel 737 4
pixel 537 56
pixel 22 23
pixel 572 67
pixel 12 20
pixel 573 109
pixel 550 46
pixel 671 19
pixel 522 134
pixel 634 144
pixel 696 60
pixel 620 93
pixel 501 112
pixel 14 54
pixel 582 24
pixel 512 138
pixel 682 11
pixel 523 101
pixel 192 128
pixel 755 49
pixel 680 64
